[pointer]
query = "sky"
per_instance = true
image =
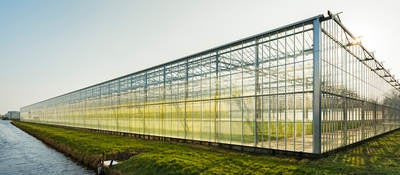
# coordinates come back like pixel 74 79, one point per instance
pixel 49 48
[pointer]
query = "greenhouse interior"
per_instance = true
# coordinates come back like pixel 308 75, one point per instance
pixel 308 87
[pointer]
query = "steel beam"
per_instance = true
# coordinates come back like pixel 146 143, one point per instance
pixel 257 102
pixel 316 146
pixel 216 110
pixel 186 95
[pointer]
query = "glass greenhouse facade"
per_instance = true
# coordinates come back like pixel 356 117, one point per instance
pixel 305 87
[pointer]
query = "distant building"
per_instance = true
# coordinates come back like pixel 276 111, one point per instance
pixel 14 115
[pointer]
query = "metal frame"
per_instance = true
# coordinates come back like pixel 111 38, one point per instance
pixel 316 89
pixel 267 91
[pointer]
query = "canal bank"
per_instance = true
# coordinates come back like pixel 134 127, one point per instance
pixel 22 154
pixel 85 159
pixel 379 156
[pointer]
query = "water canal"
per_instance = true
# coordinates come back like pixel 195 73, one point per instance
pixel 22 154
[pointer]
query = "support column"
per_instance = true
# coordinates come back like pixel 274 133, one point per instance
pixel 345 122
pixel 216 103
pixel 163 104
pixel 316 88
pixel 109 107
pixel 145 103
pixel 257 101
pixel 118 104
pixel 186 95
pixel 374 119
pixel 99 116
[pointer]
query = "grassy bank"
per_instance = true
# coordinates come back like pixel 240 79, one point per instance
pixel 380 156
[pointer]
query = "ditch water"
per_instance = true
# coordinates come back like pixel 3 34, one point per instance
pixel 21 154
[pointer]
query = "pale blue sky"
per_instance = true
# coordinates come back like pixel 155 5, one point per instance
pixel 48 48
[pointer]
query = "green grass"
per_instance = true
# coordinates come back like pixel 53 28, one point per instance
pixel 379 156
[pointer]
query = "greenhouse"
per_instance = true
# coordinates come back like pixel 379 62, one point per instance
pixel 308 87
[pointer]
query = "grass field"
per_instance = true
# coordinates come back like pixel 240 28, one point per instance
pixel 379 156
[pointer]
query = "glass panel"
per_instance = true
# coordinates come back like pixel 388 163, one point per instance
pixel 357 101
